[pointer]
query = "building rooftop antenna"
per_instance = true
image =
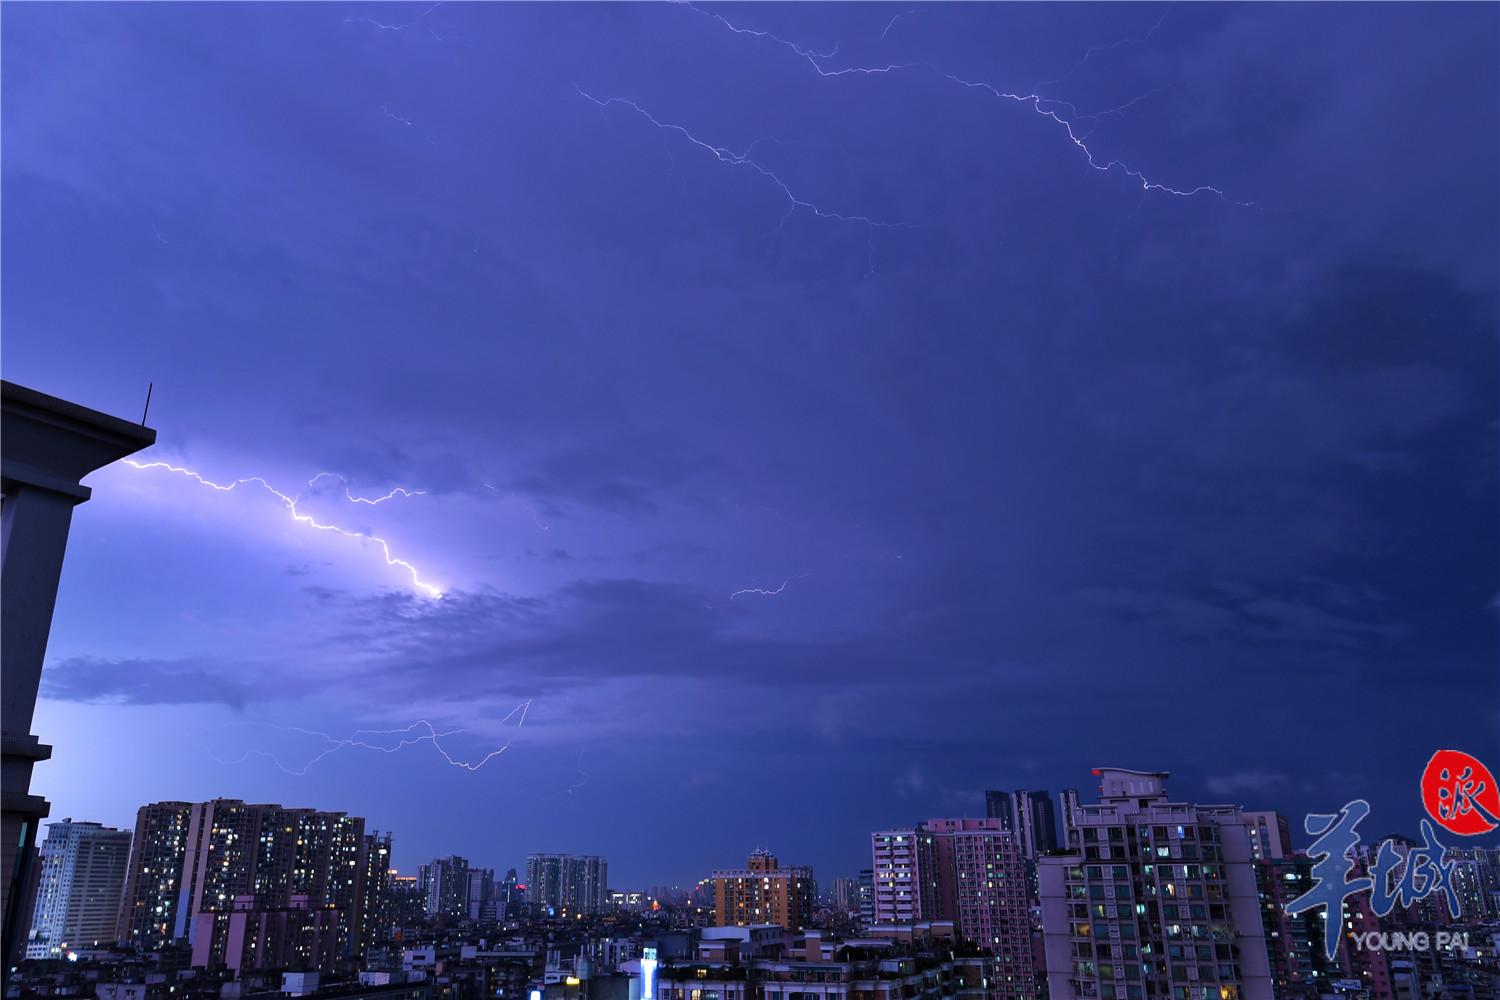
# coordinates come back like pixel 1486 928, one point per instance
pixel 147 409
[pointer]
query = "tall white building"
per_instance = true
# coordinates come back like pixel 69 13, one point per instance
pixel 1153 899
pixel 905 875
pixel 83 869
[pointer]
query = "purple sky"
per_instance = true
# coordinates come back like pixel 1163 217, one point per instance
pixel 808 451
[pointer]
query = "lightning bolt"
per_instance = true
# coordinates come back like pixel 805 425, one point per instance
pixel 1120 43
pixel 577 784
pixel 760 591
pixel 290 503
pixel 1046 107
pixel 162 239
pixel 732 158
pixel 421 731
pixel 392 27
pixel 385 110
pixel 892 23
pixel 535 517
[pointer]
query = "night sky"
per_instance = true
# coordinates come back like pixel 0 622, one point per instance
pixel 804 451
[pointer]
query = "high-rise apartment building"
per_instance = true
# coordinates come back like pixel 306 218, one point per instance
pixel 983 887
pixel 507 895
pixel 375 866
pixel 446 884
pixel 906 887
pixel 191 861
pixel 1153 899
pixel 866 890
pixel 1068 806
pixel 481 894
pixel 566 883
pixel 764 892
pixel 1029 815
pixel 845 895
pixel 83 869
pixel 153 884
pixel 1476 879
pixel 1299 962
pixel 404 906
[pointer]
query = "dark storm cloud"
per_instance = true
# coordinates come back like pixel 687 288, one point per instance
pixel 1252 618
pixel 165 682
pixel 1067 457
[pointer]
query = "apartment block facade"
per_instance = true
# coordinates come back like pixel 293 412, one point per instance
pixel 765 892
pixel 1153 899
pixel 193 861
pixel 83 869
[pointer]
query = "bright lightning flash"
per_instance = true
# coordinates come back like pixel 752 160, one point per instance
pixel 290 502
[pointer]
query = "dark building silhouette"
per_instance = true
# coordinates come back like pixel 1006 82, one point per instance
pixel 47 445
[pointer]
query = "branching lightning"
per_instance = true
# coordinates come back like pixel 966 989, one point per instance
pixel 1046 107
pixel 724 155
pixel 290 502
pixel 404 738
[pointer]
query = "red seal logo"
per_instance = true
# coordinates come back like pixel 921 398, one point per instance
pixel 1460 793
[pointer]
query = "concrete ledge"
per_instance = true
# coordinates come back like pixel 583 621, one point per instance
pixel 25 747
pixel 59 441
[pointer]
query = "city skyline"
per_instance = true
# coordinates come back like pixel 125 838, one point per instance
pixel 1272 834
pixel 682 426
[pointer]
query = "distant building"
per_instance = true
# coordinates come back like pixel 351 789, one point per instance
pixel 1029 815
pixel 446 884
pixel 509 895
pixel 1476 879
pixel 1153 898
pixel 566 883
pixel 1270 837
pixel 764 892
pixel 1068 806
pixel 866 896
pixel 904 866
pixel 375 869
pixel 846 895
pixel 83 869
pixel 481 894
pixel 404 906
